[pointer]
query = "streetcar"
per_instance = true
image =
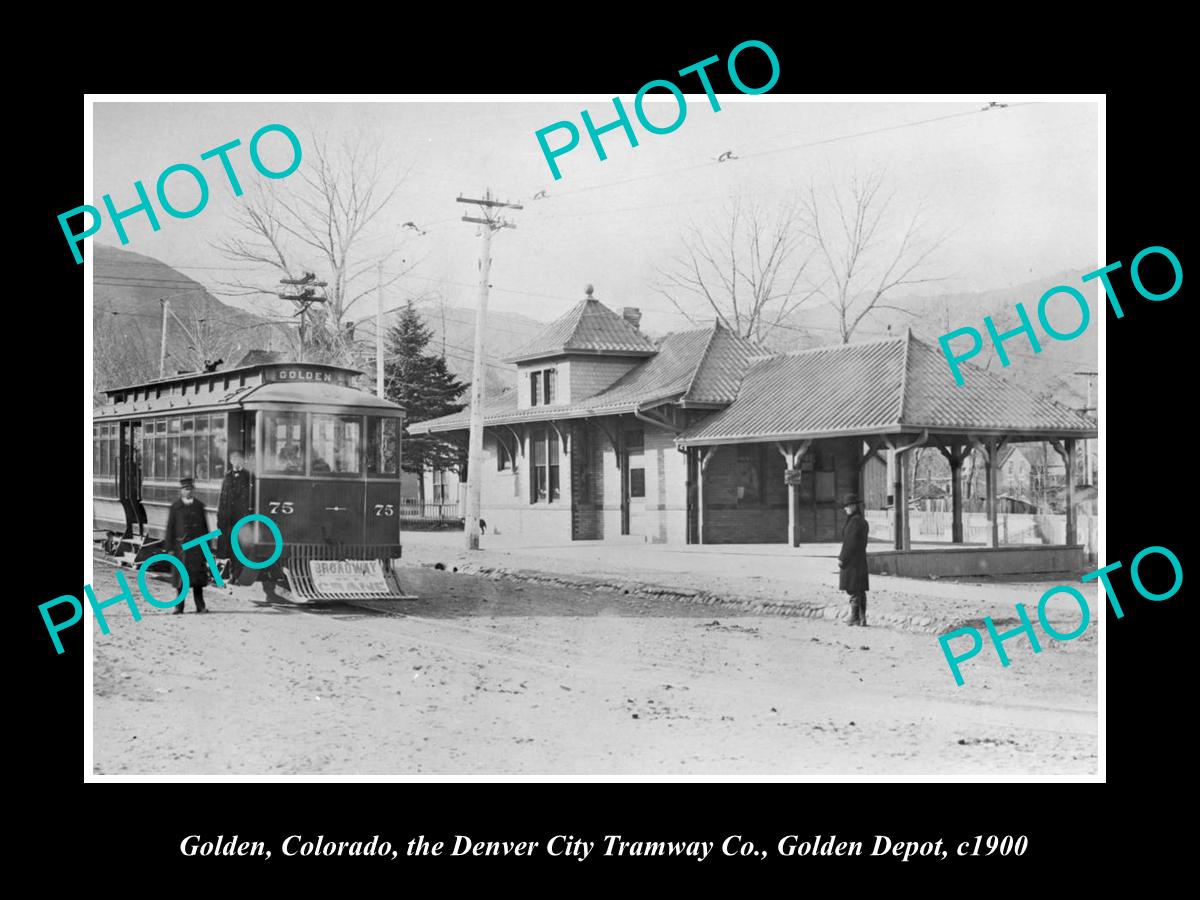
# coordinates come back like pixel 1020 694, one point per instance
pixel 325 458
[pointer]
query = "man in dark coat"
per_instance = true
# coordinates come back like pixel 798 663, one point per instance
pixel 853 560
pixel 185 523
pixel 236 502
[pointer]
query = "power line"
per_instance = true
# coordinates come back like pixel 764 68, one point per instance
pixel 462 358
pixel 801 146
pixel 142 279
pixel 491 327
pixel 558 297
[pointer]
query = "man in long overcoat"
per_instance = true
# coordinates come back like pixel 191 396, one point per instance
pixel 236 502
pixel 853 560
pixel 185 523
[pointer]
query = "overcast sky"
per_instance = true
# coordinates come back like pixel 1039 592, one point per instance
pixel 1015 187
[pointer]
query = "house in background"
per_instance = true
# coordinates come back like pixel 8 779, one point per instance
pixel 1035 474
pixel 410 487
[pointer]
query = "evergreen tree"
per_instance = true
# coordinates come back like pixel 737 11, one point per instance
pixel 422 384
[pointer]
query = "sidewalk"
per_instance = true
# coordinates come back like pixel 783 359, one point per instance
pixel 771 577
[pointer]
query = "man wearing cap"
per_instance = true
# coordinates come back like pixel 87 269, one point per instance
pixel 237 495
pixel 853 560
pixel 185 523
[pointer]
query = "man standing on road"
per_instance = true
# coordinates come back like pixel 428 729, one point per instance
pixel 853 560
pixel 185 523
pixel 237 497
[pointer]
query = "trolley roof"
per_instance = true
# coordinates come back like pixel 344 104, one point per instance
pixel 338 374
pixel 256 386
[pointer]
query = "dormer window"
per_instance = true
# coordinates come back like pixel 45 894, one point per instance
pixel 542 384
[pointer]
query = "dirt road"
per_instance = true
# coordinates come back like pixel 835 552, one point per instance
pixel 491 676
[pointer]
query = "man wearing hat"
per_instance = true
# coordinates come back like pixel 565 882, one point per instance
pixel 185 523
pixel 235 503
pixel 853 560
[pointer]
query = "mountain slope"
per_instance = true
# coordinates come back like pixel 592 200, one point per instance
pixel 127 322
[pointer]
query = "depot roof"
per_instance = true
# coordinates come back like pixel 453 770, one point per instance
pixel 890 386
pixel 588 327
pixel 700 368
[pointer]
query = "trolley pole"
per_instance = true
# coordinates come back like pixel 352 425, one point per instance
pixel 162 350
pixel 379 332
pixel 490 223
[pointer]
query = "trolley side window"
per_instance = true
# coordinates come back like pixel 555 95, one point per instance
pixel 200 458
pixel 337 444
pixel 160 448
pixel 217 444
pixel 383 450
pixel 173 425
pixel 108 449
pixel 285 443
pixel 148 450
pixel 187 456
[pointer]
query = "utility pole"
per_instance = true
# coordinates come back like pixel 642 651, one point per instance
pixel 379 332
pixel 442 297
pixel 162 351
pixel 304 295
pixel 1087 411
pixel 490 223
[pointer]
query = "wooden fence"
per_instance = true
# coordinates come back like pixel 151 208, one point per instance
pixel 412 508
pixel 1014 528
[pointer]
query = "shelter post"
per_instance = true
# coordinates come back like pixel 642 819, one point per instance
pixel 993 519
pixel 1066 449
pixel 706 454
pixel 955 458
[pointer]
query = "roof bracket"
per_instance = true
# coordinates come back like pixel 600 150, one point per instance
pixel 520 443
pixel 873 448
pixel 511 451
pixel 654 420
pixel 563 437
pixel 793 453
pixel 911 445
pixel 612 438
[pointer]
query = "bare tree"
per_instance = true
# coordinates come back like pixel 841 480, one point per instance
pixel 865 251
pixel 748 267
pixel 121 356
pixel 322 223
pixel 214 337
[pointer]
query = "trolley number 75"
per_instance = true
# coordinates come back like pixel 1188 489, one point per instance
pixel 281 507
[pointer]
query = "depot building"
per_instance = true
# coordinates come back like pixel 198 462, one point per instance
pixel 703 437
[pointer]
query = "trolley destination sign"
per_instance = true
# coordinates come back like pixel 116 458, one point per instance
pixel 341 576
pixel 306 374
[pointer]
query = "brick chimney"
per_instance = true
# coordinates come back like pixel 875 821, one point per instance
pixel 632 315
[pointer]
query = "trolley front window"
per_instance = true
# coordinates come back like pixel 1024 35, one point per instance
pixel 284 439
pixel 337 444
pixel 383 446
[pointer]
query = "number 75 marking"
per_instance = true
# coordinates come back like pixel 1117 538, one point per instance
pixel 385 509
pixel 281 506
